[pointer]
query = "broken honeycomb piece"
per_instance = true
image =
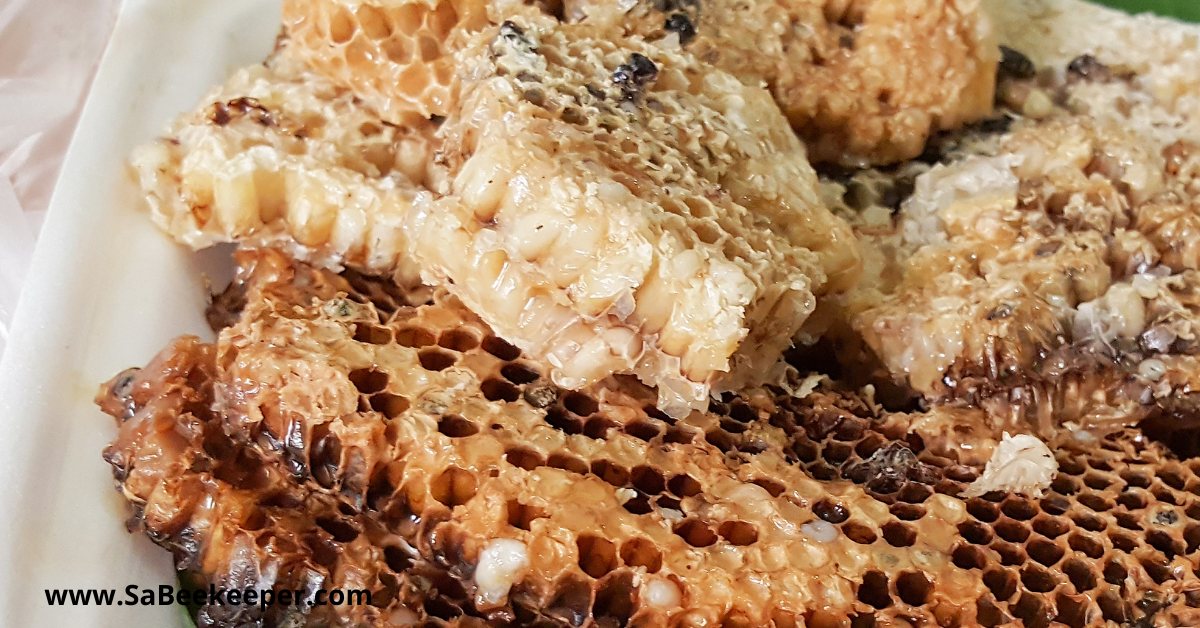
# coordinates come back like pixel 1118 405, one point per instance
pixel 767 510
pixel 280 156
pixel 686 266
pixel 618 208
pixel 863 82
pixel 848 75
pixel 235 523
pixel 398 55
pixel 1047 283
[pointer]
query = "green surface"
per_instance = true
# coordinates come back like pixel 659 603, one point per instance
pixel 1182 9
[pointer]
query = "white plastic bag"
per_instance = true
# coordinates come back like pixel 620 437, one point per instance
pixel 48 53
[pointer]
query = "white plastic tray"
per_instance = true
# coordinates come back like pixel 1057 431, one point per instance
pixel 105 292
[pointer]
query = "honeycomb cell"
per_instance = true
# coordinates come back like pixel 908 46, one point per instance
pixel 684 485
pixel 561 420
pixel 1113 608
pixel 341 530
pixel 453 487
pixel 738 532
pixel 1065 485
pixel 1097 481
pixel 499 390
pixel 455 426
pixel 415 337
pixel 1158 569
pixel 1033 610
pixel 1096 502
pixel 914 493
pixel 597 427
pixel 1081 575
pixel 500 348
pixel 1191 538
pixel 724 442
pixel 969 557
pixel 521 515
pixel 1001 582
pixel 1174 478
pixel 1089 521
pixel 914 588
pixel 899 534
pixel 1122 542
pixel 1019 509
pixel 614 599
pixel 1134 479
pixel 524 458
pixel 567 463
pixel 874 590
pixel 976 532
pixel 460 340
pixel 742 412
pixel 1071 466
pixel 1087 544
pixel 827 509
pixel 1050 527
pixel 835 452
pixel 643 430
pixel 982 510
pixel 1055 504
pixel 518 373
pixel 372 334
pixel 640 552
pixel 580 404
pixel 1072 610
pixel 1045 552
pixel 610 472
pixel 389 405
pixel 572 601
pixel 1011 554
pixel 695 533
pixel 1128 521
pixel 540 396
pixel 369 381
pixel 597 555
pixel 1165 496
pixel 398 560
pixel 1012 531
pixel 1037 579
pixel 648 480
pixel 679 436
pixel 859 533
pixel 436 359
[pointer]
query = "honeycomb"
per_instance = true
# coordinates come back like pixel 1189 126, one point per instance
pixel 620 208
pixel 1050 278
pixel 612 210
pixel 279 156
pixel 846 73
pixel 336 437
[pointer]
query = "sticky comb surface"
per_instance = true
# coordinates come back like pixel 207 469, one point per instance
pixel 447 475
pixel 618 208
